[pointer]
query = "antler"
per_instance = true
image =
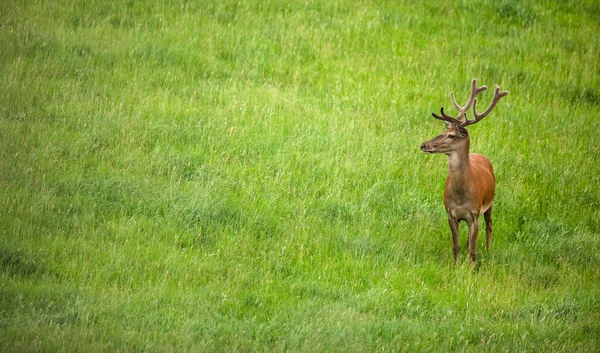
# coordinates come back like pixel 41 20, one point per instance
pixel 474 92
pixel 497 96
pixel 462 111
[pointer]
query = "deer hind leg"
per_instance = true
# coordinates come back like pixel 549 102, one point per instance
pixel 454 229
pixel 488 228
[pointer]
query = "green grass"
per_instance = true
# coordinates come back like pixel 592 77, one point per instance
pixel 245 176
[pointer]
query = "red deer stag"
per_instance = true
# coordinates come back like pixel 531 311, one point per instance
pixel 470 187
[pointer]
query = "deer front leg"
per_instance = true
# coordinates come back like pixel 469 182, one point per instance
pixel 473 223
pixel 454 229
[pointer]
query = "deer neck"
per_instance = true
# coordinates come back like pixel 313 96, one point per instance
pixel 459 170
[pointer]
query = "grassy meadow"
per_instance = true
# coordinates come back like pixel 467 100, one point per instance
pixel 245 176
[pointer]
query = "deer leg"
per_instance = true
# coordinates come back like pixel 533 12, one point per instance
pixel 488 228
pixel 454 229
pixel 473 230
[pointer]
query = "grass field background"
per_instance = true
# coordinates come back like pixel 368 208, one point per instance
pixel 245 176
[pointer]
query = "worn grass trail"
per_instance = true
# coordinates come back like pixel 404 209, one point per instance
pixel 245 176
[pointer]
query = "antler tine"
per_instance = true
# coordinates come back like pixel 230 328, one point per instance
pixel 474 92
pixel 446 117
pixel 497 96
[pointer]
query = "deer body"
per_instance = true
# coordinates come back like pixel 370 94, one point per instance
pixel 470 186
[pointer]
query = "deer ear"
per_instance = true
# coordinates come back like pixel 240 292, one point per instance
pixel 448 124
pixel 463 132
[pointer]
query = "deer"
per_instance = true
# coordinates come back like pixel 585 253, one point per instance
pixel 470 185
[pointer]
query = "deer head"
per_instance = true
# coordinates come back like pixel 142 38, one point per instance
pixel 456 136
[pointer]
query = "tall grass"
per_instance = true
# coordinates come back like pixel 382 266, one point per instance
pixel 245 176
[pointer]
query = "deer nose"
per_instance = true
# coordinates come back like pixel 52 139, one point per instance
pixel 422 147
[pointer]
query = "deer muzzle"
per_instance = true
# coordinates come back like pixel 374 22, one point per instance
pixel 425 148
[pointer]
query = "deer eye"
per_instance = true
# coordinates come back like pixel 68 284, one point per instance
pixel 451 137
